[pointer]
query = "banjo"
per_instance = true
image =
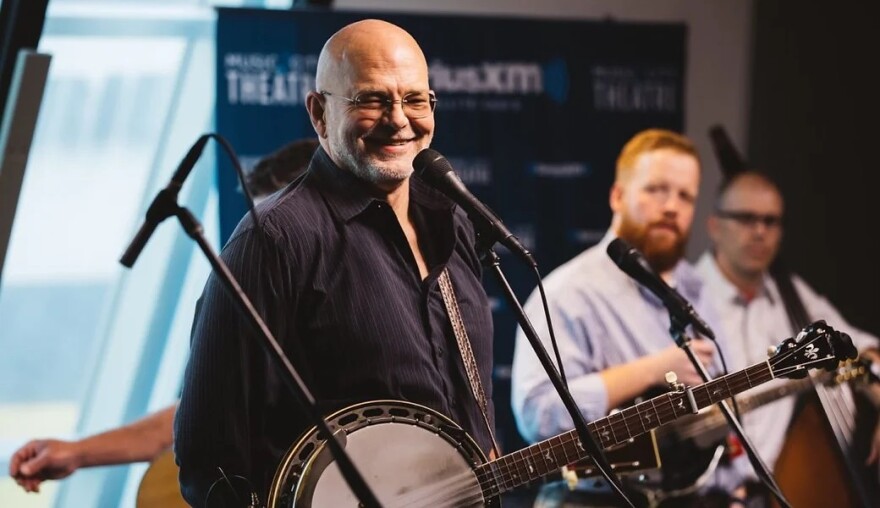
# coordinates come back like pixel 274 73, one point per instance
pixel 413 456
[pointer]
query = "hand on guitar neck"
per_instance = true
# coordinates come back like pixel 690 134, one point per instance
pixel 625 382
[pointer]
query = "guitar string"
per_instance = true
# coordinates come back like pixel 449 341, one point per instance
pixel 738 384
pixel 700 427
pixel 715 419
pixel 737 388
pixel 471 493
pixel 622 425
pixel 460 484
pixel 486 473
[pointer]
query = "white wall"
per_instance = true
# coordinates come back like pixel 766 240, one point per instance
pixel 718 59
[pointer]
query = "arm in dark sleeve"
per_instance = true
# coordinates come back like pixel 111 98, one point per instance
pixel 220 418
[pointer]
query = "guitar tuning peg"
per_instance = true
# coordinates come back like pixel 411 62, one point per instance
pixel 771 350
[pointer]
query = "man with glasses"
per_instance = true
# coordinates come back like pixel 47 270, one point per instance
pixel 343 267
pixel 745 231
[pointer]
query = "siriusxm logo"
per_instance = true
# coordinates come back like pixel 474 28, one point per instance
pixel 502 78
pixel 268 79
pixel 560 169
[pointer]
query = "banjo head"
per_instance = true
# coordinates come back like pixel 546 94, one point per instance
pixel 410 455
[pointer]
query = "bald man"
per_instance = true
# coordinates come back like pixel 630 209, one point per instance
pixel 343 267
pixel 745 230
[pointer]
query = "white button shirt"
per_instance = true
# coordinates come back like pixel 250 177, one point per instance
pixel 750 328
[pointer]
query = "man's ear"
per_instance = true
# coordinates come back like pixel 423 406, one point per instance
pixel 615 198
pixel 712 228
pixel 315 107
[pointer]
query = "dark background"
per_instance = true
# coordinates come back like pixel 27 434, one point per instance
pixel 814 126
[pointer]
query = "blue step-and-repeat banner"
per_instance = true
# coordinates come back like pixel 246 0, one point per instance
pixel 531 114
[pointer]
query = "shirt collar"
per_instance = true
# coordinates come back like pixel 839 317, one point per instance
pixel 348 196
pixel 769 289
pixel 725 289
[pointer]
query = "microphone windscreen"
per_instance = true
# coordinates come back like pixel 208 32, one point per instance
pixel 618 251
pixel 431 166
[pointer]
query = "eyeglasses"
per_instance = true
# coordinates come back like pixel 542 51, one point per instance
pixel 751 219
pixel 373 105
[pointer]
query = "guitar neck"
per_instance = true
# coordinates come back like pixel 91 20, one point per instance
pixel 766 397
pixel 541 459
pixel 709 422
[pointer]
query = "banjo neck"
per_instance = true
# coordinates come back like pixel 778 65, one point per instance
pixel 543 458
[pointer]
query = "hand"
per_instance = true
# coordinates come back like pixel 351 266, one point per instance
pixel 675 359
pixel 43 459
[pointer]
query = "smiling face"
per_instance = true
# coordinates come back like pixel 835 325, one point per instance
pixel 654 205
pixel 376 58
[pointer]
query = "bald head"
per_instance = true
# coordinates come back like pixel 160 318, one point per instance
pixel 362 43
pixel 373 109
pixel 746 188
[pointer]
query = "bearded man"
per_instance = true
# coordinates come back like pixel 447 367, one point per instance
pixel 613 334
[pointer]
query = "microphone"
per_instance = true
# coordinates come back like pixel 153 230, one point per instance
pixel 631 261
pixel 164 205
pixel 436 171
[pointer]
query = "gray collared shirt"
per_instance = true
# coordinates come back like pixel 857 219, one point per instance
pixel 601 318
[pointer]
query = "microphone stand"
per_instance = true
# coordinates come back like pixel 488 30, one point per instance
pixel 491 260
pixel 676 329
pixel 164 206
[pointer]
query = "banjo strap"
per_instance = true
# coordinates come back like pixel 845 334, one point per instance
pixel 467 354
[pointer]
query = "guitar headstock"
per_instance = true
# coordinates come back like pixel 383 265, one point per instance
pixel 817 345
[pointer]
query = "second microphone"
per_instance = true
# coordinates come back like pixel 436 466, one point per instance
pixel 433 169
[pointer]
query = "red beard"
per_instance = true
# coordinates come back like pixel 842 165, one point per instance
pixel 661 252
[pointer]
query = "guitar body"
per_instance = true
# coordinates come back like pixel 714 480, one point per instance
pixel 159 487
pixel 811 450
pixel 686 462
pixel 409 454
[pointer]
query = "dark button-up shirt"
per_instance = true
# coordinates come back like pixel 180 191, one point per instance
pixel 332 274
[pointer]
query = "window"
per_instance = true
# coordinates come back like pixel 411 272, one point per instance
pixel 88 345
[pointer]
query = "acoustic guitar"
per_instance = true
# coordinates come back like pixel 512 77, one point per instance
pixel 159 487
